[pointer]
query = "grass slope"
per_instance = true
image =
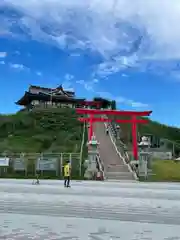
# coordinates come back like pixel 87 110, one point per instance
pixel 49 132
pixel 165 170
pixel 154 128
pixel 160 130
pixel 55 130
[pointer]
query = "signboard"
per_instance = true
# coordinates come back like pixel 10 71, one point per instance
pixel 4 162
pixel 162 155
pixel 19 164
pixel 46 164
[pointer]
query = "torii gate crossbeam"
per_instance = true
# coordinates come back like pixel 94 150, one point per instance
pixel 133 121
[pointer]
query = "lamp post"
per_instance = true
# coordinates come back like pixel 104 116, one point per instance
pixel 144 157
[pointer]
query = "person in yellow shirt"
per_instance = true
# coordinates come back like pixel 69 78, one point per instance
pixel 67 174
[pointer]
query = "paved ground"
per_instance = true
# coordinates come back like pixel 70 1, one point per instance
pixel 89 210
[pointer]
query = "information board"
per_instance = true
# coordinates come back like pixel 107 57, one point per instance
pixel 162 155
pixel 19 164
pixel 4 162
pixel 46 164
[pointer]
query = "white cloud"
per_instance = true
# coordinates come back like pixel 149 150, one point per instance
pixel 68 77
pixel 82 82
pixel 67 83
pixel 87 85
pixel 109 27
pixel 18 67
pixel 123 100
pixel 124 75
pixel 3 54
pixel 2 62
pixel 136 104
pixel 124 33
pixel 117 64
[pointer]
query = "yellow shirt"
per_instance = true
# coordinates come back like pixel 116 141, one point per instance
pixel 66 170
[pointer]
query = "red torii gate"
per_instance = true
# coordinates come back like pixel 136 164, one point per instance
pixel 91 119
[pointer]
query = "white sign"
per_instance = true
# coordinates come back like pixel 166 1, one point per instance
pixel 49 164
pixel 19 164
pixel 4 162
pixel 162 155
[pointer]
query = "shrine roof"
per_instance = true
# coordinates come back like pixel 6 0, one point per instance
pixel 50 89
pixel 29 97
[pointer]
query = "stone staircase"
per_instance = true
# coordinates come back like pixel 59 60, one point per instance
pixel 115 168
pixel 118 172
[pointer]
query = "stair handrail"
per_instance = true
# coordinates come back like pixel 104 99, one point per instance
pixel 125 154
pixel 100 164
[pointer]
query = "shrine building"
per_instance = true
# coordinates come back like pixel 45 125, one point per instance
pixel 41 97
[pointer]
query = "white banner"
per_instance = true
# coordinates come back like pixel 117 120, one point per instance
pixel 4 162
pixel 49 164
pixel 162 155
pixel 19 164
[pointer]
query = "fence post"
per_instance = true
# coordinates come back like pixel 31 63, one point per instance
pixel 25 161
pixel 81 151
pixel 70 158
pixel 61 163
pixel 57 165
pixel 36 164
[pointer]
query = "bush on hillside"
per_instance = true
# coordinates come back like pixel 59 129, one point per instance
pixel 56 130
pixel 153 128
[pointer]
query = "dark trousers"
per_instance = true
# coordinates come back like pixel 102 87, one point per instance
pixel 66 181
pixel 37 178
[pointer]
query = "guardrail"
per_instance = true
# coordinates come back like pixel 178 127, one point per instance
pixel 100 166
pixel 25 165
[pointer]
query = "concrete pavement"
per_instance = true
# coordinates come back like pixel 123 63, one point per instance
pixel 89 210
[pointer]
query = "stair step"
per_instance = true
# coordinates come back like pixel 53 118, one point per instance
pixel 118 173
pixel 115 169
pixel 118 168
pixel 120 176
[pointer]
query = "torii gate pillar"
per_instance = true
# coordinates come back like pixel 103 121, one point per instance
pixel 131 114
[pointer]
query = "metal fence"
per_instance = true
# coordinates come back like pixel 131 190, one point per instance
pixel 49 165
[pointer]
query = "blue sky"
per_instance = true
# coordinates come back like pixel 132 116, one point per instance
pixel 122 50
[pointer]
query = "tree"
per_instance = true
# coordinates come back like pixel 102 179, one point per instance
pixel 113 105
pixel 104 102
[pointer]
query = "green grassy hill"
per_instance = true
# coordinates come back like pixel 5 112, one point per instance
pixel 50 132
pixel 163 170
pixel 157 129
pixel 55 130
pixel 58 130
pixel 160 130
